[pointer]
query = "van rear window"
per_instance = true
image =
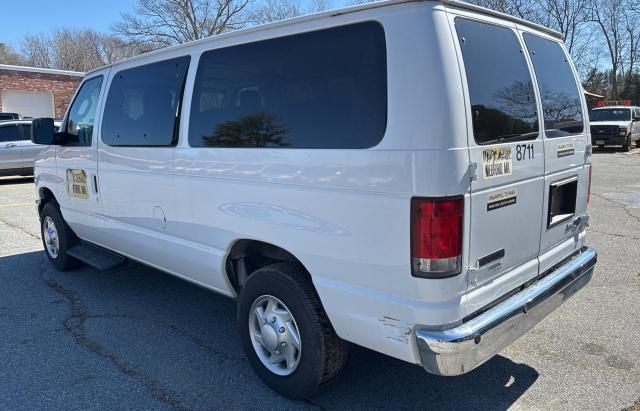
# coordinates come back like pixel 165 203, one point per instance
pixel 561 100
pixel 503 104
pixel 321 89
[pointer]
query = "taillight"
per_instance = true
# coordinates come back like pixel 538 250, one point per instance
pixel 589 186
pixel 436 236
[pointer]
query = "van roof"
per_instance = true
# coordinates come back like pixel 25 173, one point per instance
pixel 338 12
pixel 617 107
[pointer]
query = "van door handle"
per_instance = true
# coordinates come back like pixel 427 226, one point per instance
pixel 95 183
pixel 11 145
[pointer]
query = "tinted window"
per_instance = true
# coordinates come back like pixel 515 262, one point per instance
pixel 8 116
pixel 26 132
pixel 561 100
pixel 82 113
pixel 503 104
pixel 323 89
pixel 9 133
pixel 143 104
pixel 610 114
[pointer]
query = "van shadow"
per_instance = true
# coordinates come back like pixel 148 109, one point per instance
pixel 181 340
pixel 15 180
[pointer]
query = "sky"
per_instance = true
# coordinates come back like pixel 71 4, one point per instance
pixel 43 16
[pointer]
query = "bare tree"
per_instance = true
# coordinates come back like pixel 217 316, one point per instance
pixel 274 10
pixel 608 15
pixel 76 50
pixel 9 56
pixel 565 16
pixel 319 5
pixel 632 29
pixel 524 9
pixel 167 22
pixel 36 50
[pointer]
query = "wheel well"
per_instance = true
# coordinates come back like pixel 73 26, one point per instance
pixel 46 195
pixel 246 256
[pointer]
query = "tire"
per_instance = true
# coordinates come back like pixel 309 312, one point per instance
pixel 627 145
pixel 53 225
pixel 322 353
pixel 638 143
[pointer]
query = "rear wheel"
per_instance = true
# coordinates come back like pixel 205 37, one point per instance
pixel 285 332
pixel 57 238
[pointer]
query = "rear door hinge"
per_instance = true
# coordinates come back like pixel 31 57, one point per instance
pixel 473 168
pixel 472 273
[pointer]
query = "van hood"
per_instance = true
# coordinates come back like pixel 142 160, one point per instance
pixel 610 123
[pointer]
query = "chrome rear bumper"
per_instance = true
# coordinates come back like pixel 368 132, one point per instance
pixel 461 349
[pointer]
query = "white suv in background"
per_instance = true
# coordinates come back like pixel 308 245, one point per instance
pixel 17 152
pixel 615 125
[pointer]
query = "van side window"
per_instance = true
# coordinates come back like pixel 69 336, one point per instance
pixel 143 105
pixel 322 89
pixel 82 113
pixel 503 104
pixel 561 100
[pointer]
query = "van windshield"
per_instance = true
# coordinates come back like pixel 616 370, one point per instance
pixel 610 114
pixel 503 104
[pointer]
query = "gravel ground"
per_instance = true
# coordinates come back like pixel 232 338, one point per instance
pixel 137 338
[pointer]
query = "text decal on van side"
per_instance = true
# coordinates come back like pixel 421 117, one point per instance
pixel 77 184
pixel 503 198
pixel 565 149
pixel 496 162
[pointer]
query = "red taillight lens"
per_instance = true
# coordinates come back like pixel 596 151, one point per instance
pixel 589 187
pixel 436 238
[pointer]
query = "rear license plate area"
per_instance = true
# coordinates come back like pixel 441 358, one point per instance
pixel 562 201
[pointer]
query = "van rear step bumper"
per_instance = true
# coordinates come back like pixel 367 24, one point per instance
pixel 459 350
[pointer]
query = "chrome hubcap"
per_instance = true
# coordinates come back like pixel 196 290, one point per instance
pixel 275 335
pixel 50 233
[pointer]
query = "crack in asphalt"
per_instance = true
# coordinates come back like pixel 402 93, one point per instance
pixel 614 234
pixel 195 340
pixel 620 205
pixel 74 324
pixel 20 229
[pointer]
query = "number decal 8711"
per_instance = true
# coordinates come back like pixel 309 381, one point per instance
pixel 524 152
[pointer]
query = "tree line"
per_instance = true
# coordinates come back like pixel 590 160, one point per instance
pixel 602 36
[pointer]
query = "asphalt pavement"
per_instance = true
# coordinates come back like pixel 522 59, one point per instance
pixel 138 338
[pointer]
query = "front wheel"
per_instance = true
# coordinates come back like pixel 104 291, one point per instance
pixel 627 144
pixel 57 238
pixel 285 332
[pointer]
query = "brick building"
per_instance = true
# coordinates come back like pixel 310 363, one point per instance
pixel 36 92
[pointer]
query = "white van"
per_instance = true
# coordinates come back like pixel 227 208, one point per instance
pixel 615 125
pixel 380 174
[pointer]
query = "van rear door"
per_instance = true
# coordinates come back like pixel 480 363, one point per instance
pixel 506 146
pixel 565 146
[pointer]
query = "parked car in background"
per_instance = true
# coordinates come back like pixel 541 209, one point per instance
pixel 389 174
pixel 10 116
pixel 615 125
pixel 17 152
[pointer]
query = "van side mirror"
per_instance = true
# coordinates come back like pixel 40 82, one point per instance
pixel 42 131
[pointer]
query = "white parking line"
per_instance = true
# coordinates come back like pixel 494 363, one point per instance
pixel 16 204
